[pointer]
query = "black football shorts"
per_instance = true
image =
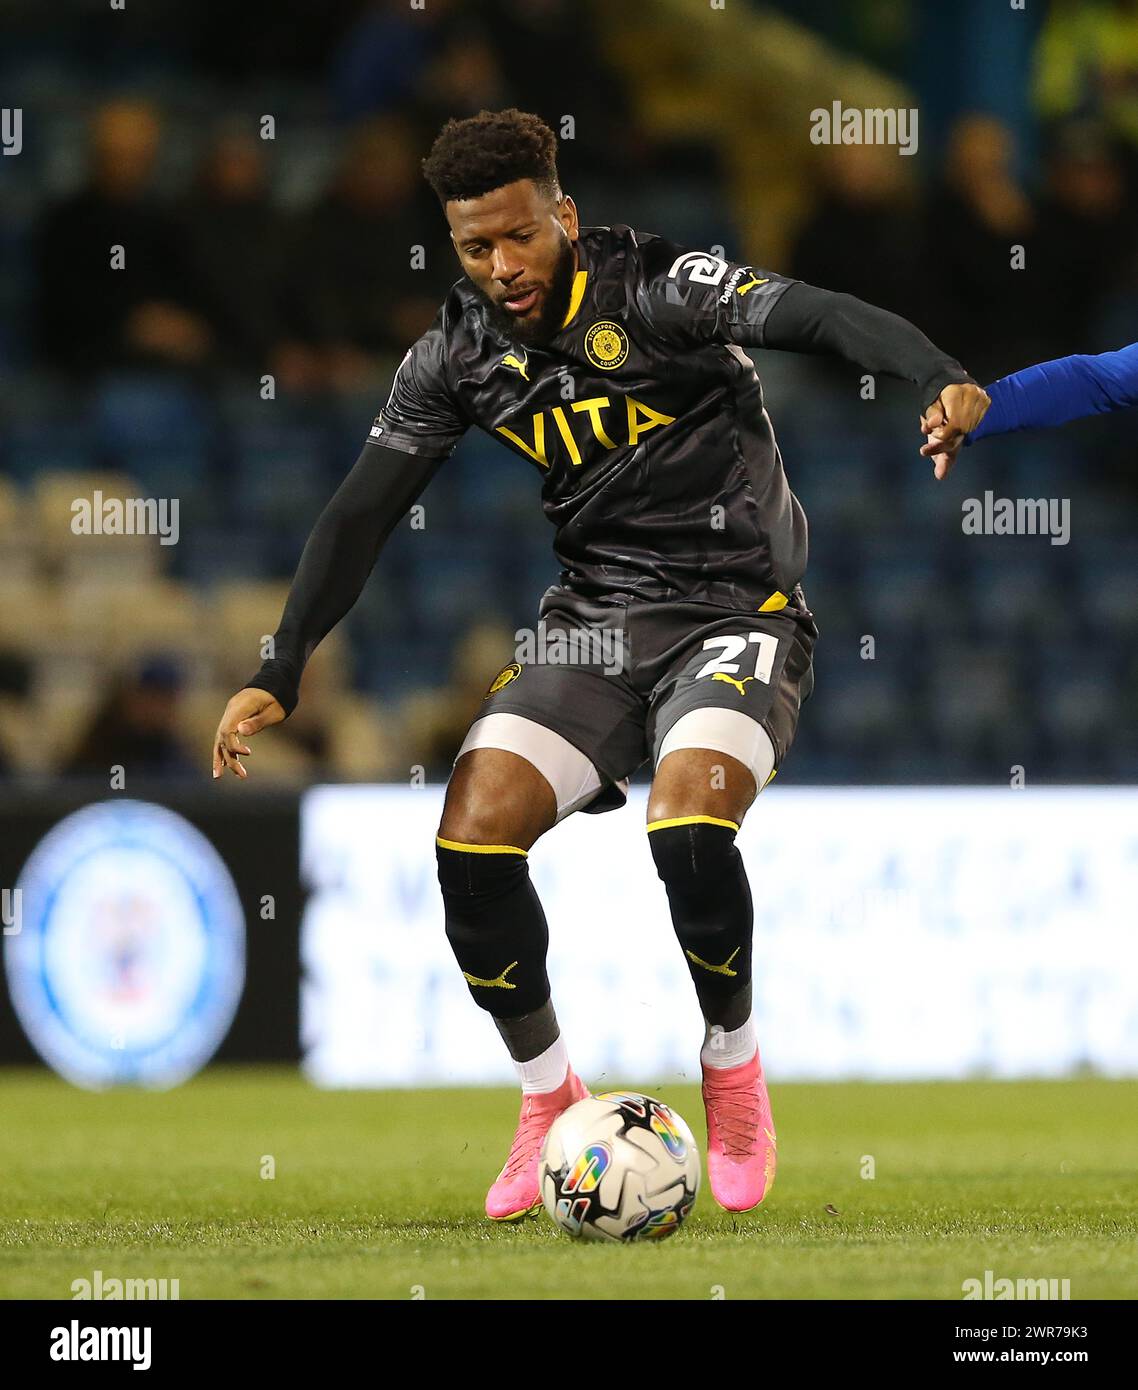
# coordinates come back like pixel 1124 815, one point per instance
pixel 612 677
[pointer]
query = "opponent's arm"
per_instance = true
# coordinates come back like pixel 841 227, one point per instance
pixel 340 553
pixel 1053 393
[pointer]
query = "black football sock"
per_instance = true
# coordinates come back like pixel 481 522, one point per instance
pixel 532 1034
pixel 497 930
pixel 737 1011
pixel 710 898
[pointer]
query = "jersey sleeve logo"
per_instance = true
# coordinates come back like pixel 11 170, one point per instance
pixel 733 285
pixel 606 345
pixel 701 268
pixel 503 678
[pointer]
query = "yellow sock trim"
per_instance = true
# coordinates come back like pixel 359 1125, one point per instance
pixel 690 820
pixel 479 849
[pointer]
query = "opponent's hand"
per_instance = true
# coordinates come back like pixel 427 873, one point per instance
pixel 955 412
pixel 250 711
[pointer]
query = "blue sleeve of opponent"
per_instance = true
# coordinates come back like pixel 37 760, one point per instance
pixel 1054 392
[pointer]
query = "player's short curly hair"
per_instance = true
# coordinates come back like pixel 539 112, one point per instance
pixel 480 153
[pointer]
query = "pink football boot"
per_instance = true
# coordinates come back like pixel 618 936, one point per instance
pixel 740 1135
pixel 515 1192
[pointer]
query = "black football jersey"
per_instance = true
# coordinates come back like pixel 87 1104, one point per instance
pixel 643 416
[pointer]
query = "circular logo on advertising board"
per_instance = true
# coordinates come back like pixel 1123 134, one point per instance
pixel 129 957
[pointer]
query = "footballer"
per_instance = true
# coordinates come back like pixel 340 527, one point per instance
pixel 615 365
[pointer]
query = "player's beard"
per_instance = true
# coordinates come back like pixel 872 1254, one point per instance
pixel 532 332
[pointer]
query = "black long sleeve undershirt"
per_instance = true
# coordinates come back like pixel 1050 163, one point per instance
pixel 338 557
pixel 808 319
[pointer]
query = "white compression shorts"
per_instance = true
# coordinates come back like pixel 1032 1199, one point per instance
pixel 574 779
pixel 727 731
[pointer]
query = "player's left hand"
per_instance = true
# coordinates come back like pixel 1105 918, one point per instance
pixel 957 410
pixel 249 711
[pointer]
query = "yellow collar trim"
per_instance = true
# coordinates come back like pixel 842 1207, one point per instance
pixel 576 297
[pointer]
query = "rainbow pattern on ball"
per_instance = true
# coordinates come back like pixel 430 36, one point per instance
pixel 586 1173
pixel 663 1125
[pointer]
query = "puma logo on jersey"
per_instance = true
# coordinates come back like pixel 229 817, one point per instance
pixel 725 968
pixel 499 982
pixel 734 287
pixel 519 364
pixel 723 676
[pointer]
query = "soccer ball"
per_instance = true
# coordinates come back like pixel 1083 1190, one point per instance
pixel 619 1166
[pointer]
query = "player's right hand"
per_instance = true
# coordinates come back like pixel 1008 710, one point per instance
pixel 250 711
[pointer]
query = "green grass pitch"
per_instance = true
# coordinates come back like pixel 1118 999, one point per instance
pixel 379 1194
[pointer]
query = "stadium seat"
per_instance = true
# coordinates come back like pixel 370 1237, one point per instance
pixel 44 427
pixel 974 697
pixel 857 701
pixel 1014 593
pixel 122 617
pixel 455 577
pixel 55 497
pixel 1105 589
pixel 902 585
pixel 1080 715
pixel 171 471
pixel 397 666
pixel 245 612
pixel 12 501
pixel 137 413
pixel 32 617
pixel 364 740
pixel 242 610
pixel 278 485
pixel 215 554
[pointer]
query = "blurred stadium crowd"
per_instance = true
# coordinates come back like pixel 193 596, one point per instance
pixel 290 257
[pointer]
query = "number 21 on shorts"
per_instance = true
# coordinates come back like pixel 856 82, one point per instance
pixel 734 647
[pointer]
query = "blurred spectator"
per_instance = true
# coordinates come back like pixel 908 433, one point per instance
pixel 94 317
pixel 380 62
pixel 462 80
pixel 233 251
pixel 984 312
pixel 136 727
pixel 863 237
pixel 358 295
pixel 1087 64
pixel 252 43
pixel 555 60
pixel 1084 232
